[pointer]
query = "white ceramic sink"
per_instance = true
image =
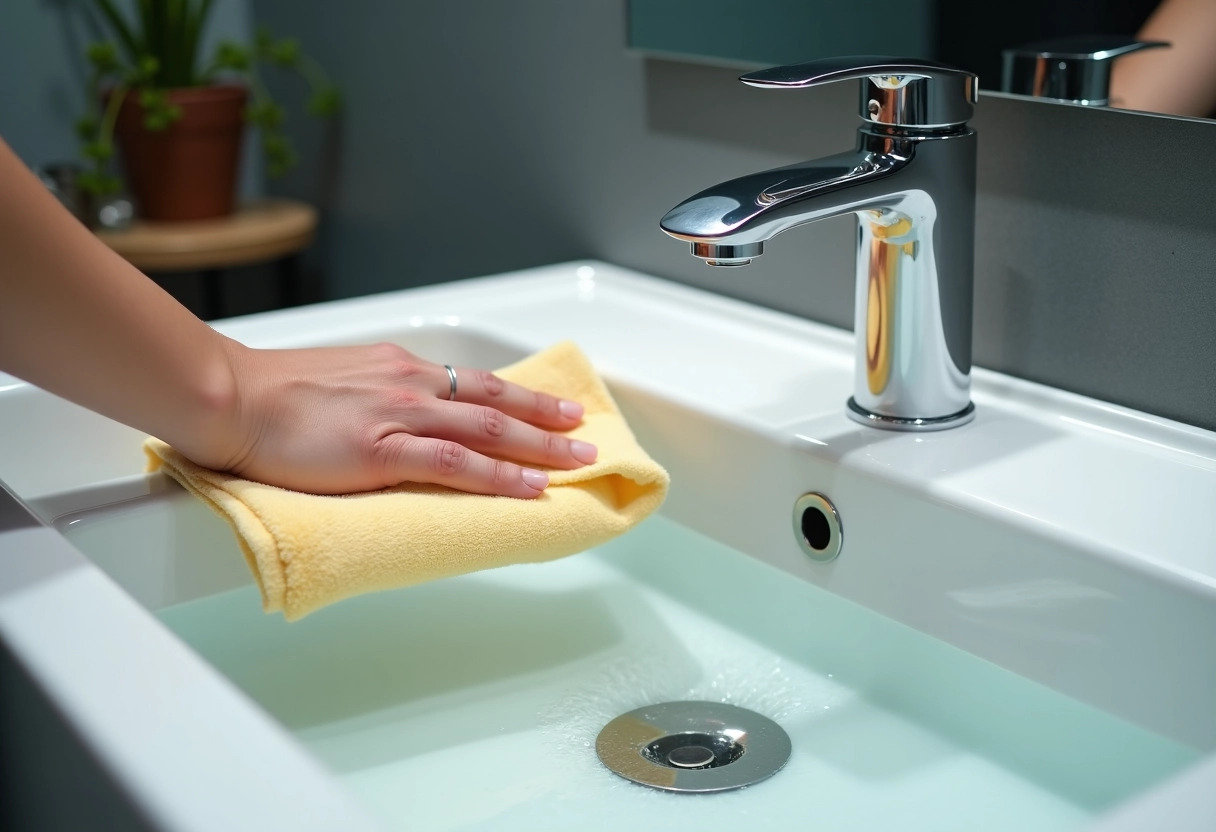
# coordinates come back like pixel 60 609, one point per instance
pixel 1019 631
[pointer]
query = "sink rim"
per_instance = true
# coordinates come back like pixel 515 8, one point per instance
pixel 522 321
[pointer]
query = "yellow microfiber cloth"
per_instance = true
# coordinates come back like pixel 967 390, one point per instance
pixel 308 551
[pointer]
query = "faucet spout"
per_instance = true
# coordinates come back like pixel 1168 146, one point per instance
pixel 715 254
pixel 912 189
pixel 752 209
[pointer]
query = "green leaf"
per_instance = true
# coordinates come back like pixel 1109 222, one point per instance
pixel 280 154
pixel 275 144
pixel 86 127
pixel 121 28
pixel 151 99
pixel 98 150
pixel 285 53
pixel 325 102
pixel 265 114
pixel 232 56
pixel 194 32
pixel 147 68
pixel 103 55
pixel 173 41
pixel 154 29
pixel 263 42
pixel 91 181
pixel 159 113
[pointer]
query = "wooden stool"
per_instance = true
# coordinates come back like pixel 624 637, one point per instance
pixel 258 232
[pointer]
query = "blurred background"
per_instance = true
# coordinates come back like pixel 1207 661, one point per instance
pixel 478 137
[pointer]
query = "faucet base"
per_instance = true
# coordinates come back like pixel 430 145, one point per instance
pixel 876 420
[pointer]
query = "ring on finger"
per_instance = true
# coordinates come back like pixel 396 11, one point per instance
pixel 451 382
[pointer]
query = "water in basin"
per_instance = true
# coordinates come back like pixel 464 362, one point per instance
pixel 474 702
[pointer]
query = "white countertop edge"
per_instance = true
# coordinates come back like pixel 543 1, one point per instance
pixel 133 695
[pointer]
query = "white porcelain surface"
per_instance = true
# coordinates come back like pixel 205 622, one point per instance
pixel 1063 539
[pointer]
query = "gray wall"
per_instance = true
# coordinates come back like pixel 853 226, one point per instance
pixel 483 136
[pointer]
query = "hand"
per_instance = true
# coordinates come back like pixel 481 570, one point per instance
pixel 338 420
pixel 79 321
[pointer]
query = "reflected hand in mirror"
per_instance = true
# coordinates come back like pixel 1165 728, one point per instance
pixel 1179 80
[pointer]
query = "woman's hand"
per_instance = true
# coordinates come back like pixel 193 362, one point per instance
pixel 336 420
pixel 79 321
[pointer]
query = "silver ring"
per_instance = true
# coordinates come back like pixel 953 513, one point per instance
pixel 451 381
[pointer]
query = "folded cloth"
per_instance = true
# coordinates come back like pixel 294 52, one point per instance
pixel 308 551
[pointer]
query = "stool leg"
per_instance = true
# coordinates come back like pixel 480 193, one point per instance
pixel 290 276
pixel 213 294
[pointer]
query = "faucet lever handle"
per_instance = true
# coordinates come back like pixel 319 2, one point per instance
pixel 899 92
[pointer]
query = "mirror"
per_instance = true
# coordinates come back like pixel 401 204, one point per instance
pixel 750 34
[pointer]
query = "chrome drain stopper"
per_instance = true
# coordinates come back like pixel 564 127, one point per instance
pixel 693 746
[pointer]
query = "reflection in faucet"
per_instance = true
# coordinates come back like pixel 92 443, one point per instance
pixel 911 183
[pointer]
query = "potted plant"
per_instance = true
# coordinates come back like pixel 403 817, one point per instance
pixel 177 121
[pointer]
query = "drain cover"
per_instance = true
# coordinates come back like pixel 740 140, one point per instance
pixel 693 746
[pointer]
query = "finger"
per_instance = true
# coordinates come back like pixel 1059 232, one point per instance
pixel 484 388
pixel 407 458
pixel 491 431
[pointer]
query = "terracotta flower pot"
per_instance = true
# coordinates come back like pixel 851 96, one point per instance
pixel 188 171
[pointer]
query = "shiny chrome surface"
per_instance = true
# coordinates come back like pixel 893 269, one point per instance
pixel 897 92
pixel 693 746
pixel 723 255
pixel 912 187
pixel 817 527
pixel 1075 69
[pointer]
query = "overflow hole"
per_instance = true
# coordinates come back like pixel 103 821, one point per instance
pixel 817 526
pixel 815 529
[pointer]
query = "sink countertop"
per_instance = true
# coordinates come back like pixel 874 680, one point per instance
pixel 1091 482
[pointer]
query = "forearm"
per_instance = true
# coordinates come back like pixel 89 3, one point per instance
pixel 78 320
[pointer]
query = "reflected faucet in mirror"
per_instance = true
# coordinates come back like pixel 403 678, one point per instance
pixel 910 181
pixel 1127 72
pixel 1073 70
pixel 1178 81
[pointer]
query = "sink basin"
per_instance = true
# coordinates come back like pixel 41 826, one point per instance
pixel 1017 632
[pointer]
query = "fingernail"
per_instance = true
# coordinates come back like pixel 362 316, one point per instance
pixel 584 452
pixel 534 479
pixel 571 410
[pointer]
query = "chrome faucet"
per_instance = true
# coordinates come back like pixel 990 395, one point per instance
pixel 911 183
